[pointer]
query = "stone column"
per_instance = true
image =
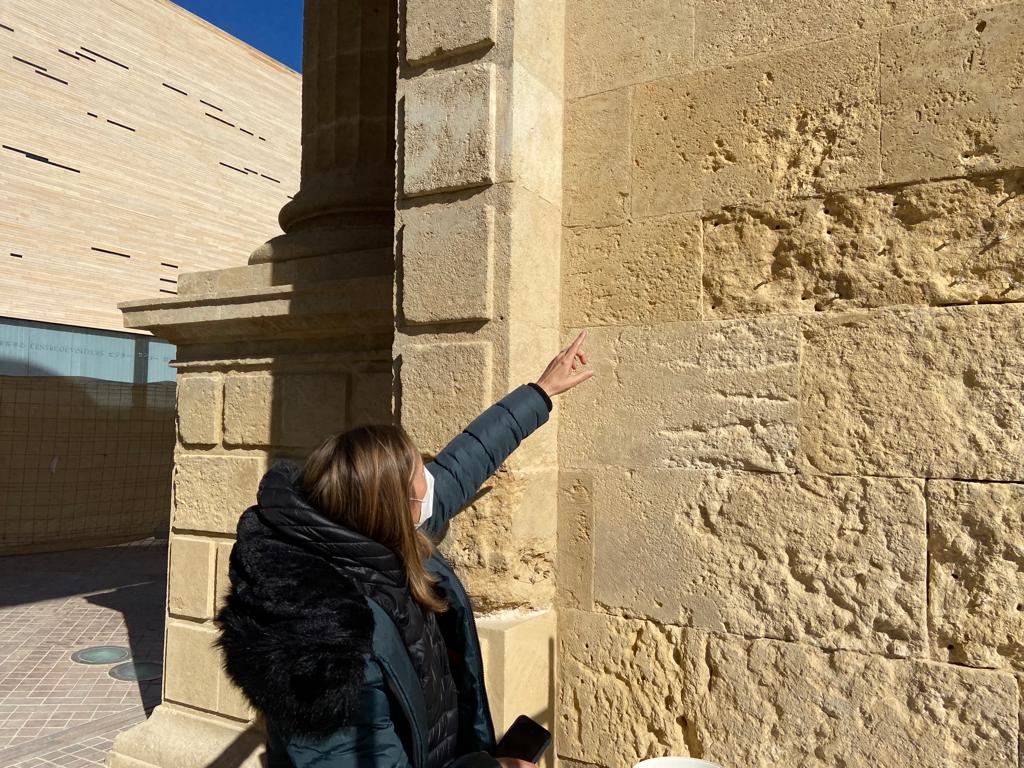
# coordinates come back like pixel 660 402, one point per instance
pixel 346 196
pixel 477 240
pixel 271 358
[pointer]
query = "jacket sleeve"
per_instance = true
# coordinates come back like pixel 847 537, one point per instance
pixel 370 742
pixel 472 457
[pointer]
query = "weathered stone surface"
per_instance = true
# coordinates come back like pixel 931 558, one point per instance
pixel 919 392
pixel 249 409
pixel 436 29
pixel 641 272
pixel 609 44
pixel 191 577
pixel 199 408
pixel 503 545
pixel 765 703
pixel 575 560
pixel 832 562
pixel 446 245
pixel 936 243
pixel 312 407
pixel 192 665
pixel 952 95
pixel 694 395
pixel 620 683
pixel 976 563
pixel 795 123
pixel 597 159
pixel 444 387
pixel 726 29
pixel 210 492
pixel 370 401
pixel 449 130
pixel 223 582
pixel 536 135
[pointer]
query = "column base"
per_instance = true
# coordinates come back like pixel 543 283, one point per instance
pixel 176 738
pixel 519 668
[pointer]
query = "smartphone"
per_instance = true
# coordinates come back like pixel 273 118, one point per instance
pixel 526 739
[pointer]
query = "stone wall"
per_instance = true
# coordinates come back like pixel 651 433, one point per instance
pixel 791 502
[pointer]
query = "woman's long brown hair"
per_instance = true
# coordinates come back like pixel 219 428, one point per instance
pixel 362 479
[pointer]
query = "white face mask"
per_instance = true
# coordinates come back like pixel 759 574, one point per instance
pixel 427 504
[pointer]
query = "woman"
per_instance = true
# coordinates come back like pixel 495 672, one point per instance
pixel 344 626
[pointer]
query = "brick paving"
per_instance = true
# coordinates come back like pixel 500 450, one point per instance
pixel 53 711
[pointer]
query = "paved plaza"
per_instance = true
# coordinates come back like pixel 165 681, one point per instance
pixel 54 711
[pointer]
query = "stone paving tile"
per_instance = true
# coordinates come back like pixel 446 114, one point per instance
pixel 52 605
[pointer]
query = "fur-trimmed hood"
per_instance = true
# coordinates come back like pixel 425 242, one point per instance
pixel 295 630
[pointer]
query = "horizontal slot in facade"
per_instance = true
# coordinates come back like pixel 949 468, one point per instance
pixel 170 280
pixel 44 74
pixel 164 290
pixel 4 26
pixel 17 255
pixel 271 178
pixel 92 114
pixel 121 125
pixel 68 53
pixel 83 56
pixel 26 61
pixel 106 58
pixel 107 250
pixel 203 101
pixel 233 168
pixel 171 266
pixel 219 119
pixel 183 93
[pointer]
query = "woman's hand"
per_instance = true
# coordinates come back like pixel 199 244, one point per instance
pixel 561 374
pixel 511 762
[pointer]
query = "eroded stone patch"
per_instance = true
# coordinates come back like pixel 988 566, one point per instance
pixel 976 572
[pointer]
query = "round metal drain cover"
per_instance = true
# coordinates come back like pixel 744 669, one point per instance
pixel 101 654
pixel 137 671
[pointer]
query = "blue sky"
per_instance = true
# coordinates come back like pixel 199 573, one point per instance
pixel 272 26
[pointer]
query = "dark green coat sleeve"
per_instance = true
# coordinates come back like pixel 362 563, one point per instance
pixel 467 461
pixel 370 742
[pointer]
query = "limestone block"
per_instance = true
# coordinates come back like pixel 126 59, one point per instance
pixel 597 159
pixel 538 34
pixel 249 409
pixel 199 409
pixel 610 44
pixel 728 30
pixel 639 273
pixel 832 562
pixel 918 392
pixel 536 133
pixel 211 492
pixel 503 545
pixel 575 560
pixel 191 577
pixel 951 95
pixel 766 703
pixel 519 665
pixel 192 665
pixel 437 29
pixel 222 585
pixel 619 689
pixel 695 395
pixel 449 138
pixel 312 407
pixel 447 261
pixel 797 123
pixel 370 401
pixel 940 243
pixel 444 387
pixel 174 736
pixel 976 597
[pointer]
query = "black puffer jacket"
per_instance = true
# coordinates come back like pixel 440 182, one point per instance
pixel 321 632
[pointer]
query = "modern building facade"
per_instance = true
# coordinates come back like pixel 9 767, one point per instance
pixel 137 142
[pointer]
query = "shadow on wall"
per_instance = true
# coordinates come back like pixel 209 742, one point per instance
pixel 83 462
